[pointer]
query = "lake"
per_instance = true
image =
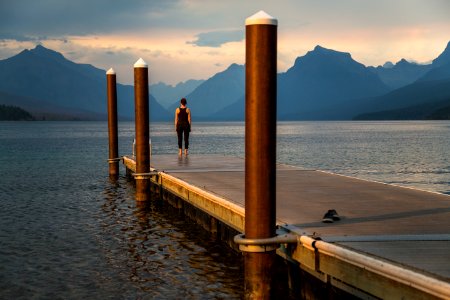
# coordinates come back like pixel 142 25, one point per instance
pixel 67 231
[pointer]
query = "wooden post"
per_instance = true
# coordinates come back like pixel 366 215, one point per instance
pixel 141 102
pixel 112 124
pixel 260 149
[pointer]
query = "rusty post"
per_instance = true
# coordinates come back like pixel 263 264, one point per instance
pixel 141 102
pixel 260 149
pixel 112 124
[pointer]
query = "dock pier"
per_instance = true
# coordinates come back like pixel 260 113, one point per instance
pixel 390 243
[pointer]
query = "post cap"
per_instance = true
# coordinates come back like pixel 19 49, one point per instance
pixel 111 72
pixel 140 63
pixel 261 18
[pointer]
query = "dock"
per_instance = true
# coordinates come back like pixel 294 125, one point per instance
pixel 390 241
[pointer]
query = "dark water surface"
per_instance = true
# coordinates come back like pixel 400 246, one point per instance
pixel 67 232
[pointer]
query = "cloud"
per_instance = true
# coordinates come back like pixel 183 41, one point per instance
pixel 21 38
pixel 30 18
pixel 217 38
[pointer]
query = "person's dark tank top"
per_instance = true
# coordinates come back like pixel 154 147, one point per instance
pixel 183 116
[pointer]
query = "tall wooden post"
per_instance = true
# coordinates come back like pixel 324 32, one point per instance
pixel 260 149
pixel 112 124
pixel 141 102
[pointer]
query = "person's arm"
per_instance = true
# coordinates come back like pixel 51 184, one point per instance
pixel 189 115
pixel 176 118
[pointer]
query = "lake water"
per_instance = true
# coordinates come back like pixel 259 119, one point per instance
pixel 67 232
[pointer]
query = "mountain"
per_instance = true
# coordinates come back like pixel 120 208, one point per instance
pixel 42 110
pixel 167 95
pixel 400 74
pixel 216 93
pixel 439 110
pixel 415 101
pixel 442 113
pixel 324 84
pixel 125 105
pixel 443 58
pixel 426 98
pixel 321 79
pixel 440 67
pixel 14 113
pixel 437 73
pixel 233 112
pixel 46 76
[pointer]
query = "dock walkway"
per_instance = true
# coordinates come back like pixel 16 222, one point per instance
pixel 386 225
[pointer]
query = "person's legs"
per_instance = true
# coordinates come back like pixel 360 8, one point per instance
pixel 180 140
pixel 186 141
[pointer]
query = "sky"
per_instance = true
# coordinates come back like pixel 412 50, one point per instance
pixel 195 39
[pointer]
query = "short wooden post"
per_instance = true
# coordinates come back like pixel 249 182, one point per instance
pixel 112 124
pixel 141 102
pixel 260 149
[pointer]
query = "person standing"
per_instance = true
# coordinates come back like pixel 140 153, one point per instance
pixel 183 126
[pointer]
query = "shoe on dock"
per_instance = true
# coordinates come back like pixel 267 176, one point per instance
pixel 334 215
pixel 331 216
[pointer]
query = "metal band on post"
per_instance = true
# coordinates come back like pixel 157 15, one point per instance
pixel 112 160
pixel 264 245
pixel 144 175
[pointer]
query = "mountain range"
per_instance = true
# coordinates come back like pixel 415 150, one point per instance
pixel 324 84
pixel 400 74
pixel 46 84
pixel 168 95
pixel 216 93
pixel 426 98
pixel 329 85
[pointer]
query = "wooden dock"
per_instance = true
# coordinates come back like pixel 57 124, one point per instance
pixel 391 242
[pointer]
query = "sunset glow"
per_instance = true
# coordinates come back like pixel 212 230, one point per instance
pixel 184 40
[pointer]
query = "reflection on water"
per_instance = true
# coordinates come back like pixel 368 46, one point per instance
pixel 164 254
pixel 183 161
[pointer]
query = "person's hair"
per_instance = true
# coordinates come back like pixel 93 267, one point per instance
pixel 183 101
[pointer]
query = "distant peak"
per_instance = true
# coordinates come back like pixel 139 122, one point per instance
pixel 40 48
pixel 388 65
pixel 45 52
pixel 320 48
pixel 323 56
pixel 235 66
pixel 402 62
pixel 447 49
pixel 323 50
pixel 443 58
